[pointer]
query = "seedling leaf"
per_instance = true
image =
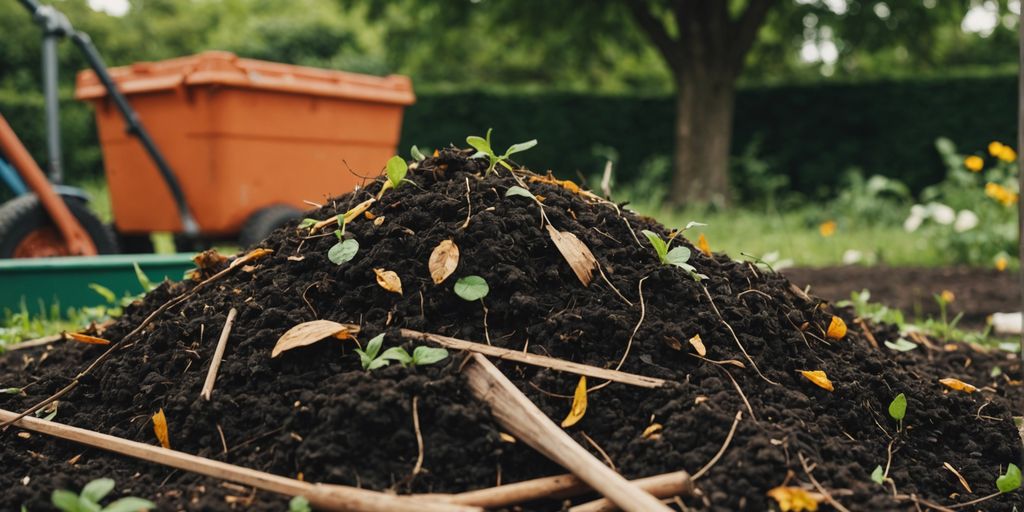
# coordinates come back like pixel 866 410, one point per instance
pixel 419 157
pixel 423 356
pixel 343 252
pixel 579 404
pixel 516 190
pixel 130 504
pixel 471 288
pixel 107 294
pixel 679 256
pixel 396 354
pixel 693 224
pixel 377 363
pixel 443 261
pixel 878 476
pixel 519 148
pixel 898 407
pixel 1009 481
pixel 147 285
pixel 307 223
pixel 96 490
pixel 308 333
pixel 374 345
pixel 10 391
pixel 660 247
pixel 901 345
pixel 65 500
pixel 480 144
pixel 397 169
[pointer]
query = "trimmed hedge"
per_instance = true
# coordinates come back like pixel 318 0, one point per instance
pixel 812 133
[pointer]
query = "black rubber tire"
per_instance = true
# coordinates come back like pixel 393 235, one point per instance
pixel 25 214
pixel 135 243
pixel 262 223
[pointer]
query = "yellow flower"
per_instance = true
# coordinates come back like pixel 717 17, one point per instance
pixel 974 163
pixel 1001 263
pixel 827 228
pixel 995 147
pixel 1007 154
pixel 1000 193
pixel 947 296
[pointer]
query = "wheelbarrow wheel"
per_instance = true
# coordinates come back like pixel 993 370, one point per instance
pixel 26 231
pixel 262 223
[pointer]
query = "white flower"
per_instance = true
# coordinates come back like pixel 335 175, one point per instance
pixel 942 214
pixel 913 222
pixel 852 256
pixel 965 221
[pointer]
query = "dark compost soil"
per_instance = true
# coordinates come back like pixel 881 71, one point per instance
pixel 314 412
pixel 979 292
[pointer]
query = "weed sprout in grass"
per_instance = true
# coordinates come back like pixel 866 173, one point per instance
pixel 483 150
pixel 92 494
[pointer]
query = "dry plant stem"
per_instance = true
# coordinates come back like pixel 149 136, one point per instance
pixel 328 497
pixel 38 342
pixel 734 337
pixel 487 333
pixel 973 502
pixel 721 451
pixel 604 454
pixel 135 332
pixel 419 436
pixel 734 383
pixel 629 343
pixel 530 359
pixel 561 487
pixel 921 501
pixel 612 286
pixel 668 485
pixel 516 413
pixel 828 497
pixel 218 355
pixel 469 206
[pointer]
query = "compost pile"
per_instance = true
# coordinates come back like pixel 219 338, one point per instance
pixel 314 412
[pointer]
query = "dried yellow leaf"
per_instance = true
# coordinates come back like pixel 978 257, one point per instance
pixel 579 404
pixel 308 333
pixel 252 255
pixel 506 438
pixel 369 215
pixel 653 431
pixel 819 378
pixel 443 261
pixel 160 429
pixel 794 499
pixel 702 244
pixel 576 253
pixel 388 280
pixel 85 338
pixel 698 345
pixel 836 328
pixel 958 385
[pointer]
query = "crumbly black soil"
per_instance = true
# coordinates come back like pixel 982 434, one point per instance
pixel 314 412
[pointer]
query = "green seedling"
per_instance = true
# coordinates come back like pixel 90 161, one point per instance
pixel 92 494
pixel 307 223
pixel 483 150
pixel 471 288
pixel 1009 481
pixel 10 391
pixel 417 154
pixel 372 358
pixel 901 345
pixel 878 475
pixel 678 256
pixel 144 282
pixel 516 190
pixel 396 170
pixel 898 409
pixel 344 250
pixel 299 504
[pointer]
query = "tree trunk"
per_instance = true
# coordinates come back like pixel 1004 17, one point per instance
pixel 704 110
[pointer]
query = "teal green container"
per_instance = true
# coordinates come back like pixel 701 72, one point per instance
pixel 65 281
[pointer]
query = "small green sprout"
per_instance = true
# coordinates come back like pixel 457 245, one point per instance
pixel 901 345
pixel 10 391
pixel 878 476
pixel 397 169
pixel 92 493
pixel 307 223
pixel 483 149
pixel 299 504
pixel 107 294
pixel 372 358
pixel 678 256
pixel 344 250
pixel 417 154
pixel 147 285
pixel 471 288
pixel 1009 481
pixel 898 408
pixel 516 190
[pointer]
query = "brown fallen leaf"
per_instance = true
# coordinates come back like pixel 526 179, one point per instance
pixel 378 221
pixel 388 280
pixel 579 404
pixel 443 261
pixel 653 431
pixel 209 259
pixel 160 429
pixel 819 379
pixel 308 333
pixel 85 338
pixel 698 345
pixel 576 253
pixel 836 328
pixel 958 385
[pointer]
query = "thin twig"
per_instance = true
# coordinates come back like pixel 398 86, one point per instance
pixel 469 206
pixel 734 337
pixel 973 502
pixel 223 441
pixel 721 451
pixel 629 343
pixel 419 437
pixel 218 355
pixel 604 454
pixel 828 497
pixel 487 334
pixel 612 286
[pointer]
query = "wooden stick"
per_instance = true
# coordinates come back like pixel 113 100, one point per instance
pixel 660 486
pixel 561 487
pixel 329 497
pixel 211 375
pixel 515 412
pixel 37 342
pixel 535 359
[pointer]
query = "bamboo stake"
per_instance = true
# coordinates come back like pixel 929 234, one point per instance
pixel 535 359
pixel 564 486
pixel 660 486
pixel 211 375
pixel 329 497
pixel 515 412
